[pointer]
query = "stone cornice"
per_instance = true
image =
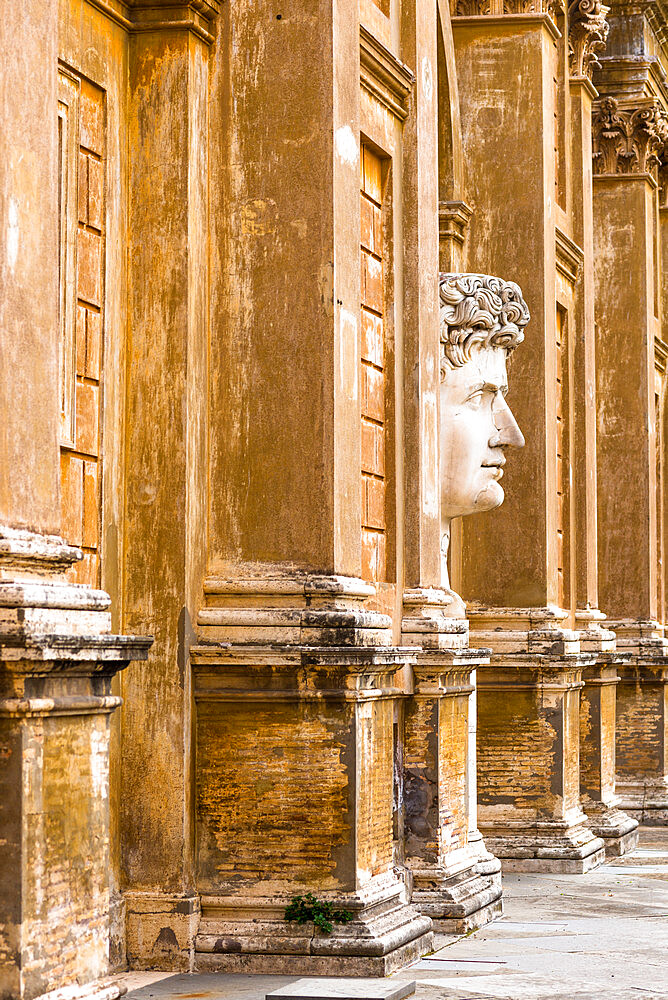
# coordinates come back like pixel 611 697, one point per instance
pixel 587 34
pixel 569 256
pixel 660 354
pixel 160 15
pixel 515 21
pixel 628 138
pixel 497 8
pixel 453 220
pixel 585 83
pixel 383 75
pixel 656 12
pixel 28 552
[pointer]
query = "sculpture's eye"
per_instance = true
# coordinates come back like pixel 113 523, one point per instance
pixel 475 399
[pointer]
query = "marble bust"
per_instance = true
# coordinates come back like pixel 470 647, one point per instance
pixel 482 319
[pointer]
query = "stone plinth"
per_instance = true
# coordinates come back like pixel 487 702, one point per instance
pixel 57 660
pixel 642 741
pixel 598 708
pixel 455 880
pixel 597 740
pixel 528 742
pixel 296 745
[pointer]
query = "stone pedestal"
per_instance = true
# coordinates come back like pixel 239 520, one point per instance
pixel 597 738
pixel 57 660
pixel 528 742
pixel 296 741
pixel 455 880
pixel 642 741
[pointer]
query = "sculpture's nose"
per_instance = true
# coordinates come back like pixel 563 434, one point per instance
pixel 508 433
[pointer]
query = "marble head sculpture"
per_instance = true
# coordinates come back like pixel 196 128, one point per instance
pixel 482 319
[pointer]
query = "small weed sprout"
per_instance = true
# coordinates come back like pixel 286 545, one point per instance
pixel 303 909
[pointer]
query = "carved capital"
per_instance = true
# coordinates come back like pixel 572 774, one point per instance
pixel 587 34
pixel 628 140
pixel 471 8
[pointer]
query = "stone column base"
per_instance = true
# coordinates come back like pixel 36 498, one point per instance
pixel 561 848
pixel 617 829
pixel 642 730
pixel 161 930
pixel 646 800
pixel 247 934
pixel 529 742
pixel 103 989
pixel 57 661
pixel 456 881
pixel 460 898
pixel 297 734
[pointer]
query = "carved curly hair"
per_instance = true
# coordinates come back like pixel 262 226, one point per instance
pixel 478 309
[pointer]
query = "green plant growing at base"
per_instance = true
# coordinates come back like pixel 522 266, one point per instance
pixel 303 909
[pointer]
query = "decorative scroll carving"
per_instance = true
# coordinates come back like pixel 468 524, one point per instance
pixel 628 140
pixel 587 34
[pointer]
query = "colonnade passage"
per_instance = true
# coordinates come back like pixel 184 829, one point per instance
pixel 333 492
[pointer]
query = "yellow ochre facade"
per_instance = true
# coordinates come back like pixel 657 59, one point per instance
pixel 250 646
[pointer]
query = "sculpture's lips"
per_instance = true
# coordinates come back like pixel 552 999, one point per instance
pixel 496 466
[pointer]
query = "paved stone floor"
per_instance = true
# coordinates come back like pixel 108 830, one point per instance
pixel 563 937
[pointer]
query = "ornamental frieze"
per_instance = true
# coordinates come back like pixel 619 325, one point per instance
pixel 628 140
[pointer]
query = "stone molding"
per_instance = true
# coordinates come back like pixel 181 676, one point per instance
pixel 656 12
pixel 231 673
pixel 643 638
pixel 384 76
pixel 107 989
pixel 587 34
pixel 28 554
pixel 595 637
pixel 569 256
pixel 453 221
pixel 628 139
pixel 306 611
pixel 159 15
pixel 385 933
pixel 495 8
pixel 538 632
pixel 434 619
pixel 660 354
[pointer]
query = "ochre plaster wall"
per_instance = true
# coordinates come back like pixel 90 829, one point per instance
pixel 502 69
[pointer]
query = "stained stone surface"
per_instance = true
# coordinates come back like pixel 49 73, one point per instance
pixel 564 937
pixel 343 989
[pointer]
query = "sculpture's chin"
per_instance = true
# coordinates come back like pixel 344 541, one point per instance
pixel 490 497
